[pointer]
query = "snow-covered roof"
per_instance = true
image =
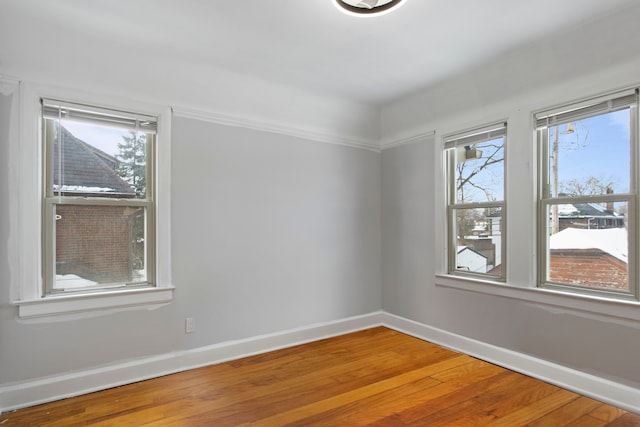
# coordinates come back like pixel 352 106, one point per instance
pixel 467 248
pixel 82 189
pixel 72 281
pixel 584 210
pixel 567 209
pixel 610 240
pixel 84 167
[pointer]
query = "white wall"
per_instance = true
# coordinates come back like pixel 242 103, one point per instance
pixel 597 339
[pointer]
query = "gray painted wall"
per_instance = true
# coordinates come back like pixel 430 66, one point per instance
pixel 5 313
pixel 270 233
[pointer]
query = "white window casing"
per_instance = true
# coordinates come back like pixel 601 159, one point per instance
pixel 548 200
pixel 28 155
pixel 459 148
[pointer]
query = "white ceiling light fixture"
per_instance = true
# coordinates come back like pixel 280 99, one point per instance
pixel 366 8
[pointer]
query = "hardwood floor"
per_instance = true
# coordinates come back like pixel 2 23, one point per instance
pixel 376 377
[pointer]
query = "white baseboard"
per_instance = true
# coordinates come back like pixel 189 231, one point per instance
pixel 24 394
pixel 34 392
pixel 601 389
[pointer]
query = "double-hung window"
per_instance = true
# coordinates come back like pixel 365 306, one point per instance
pixel 475 202
pixel 588 203
pixel 98 199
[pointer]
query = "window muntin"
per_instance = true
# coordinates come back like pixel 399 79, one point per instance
pixel 476 208
pixel 588 201
pixel 99 211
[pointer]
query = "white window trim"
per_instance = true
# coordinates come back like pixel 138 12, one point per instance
pixel 521 281
pixel 544 120
pixel 449 142
pixel 26 224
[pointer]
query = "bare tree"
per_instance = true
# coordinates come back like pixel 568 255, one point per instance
pixel 592 186
pixel 477 180
pixel 467 172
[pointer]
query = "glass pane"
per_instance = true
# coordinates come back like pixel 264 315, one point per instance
pixel 98 245
pixel 589 246
pixel 479 240
pixel 480 172
pixel 590 156
pixel 93 160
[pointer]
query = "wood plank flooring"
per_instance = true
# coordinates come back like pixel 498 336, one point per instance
pixel 376 377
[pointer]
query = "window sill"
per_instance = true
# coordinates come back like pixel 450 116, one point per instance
pixel 628 310
pixel 69 305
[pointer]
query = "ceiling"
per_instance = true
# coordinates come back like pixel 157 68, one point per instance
pixel 307 44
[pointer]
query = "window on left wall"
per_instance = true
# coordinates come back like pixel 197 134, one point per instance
pixel 91 213
pixel 98 198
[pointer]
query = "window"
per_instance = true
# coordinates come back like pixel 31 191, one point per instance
pixel 46 251
pixel 587 217
pixel 98 200
pixel 475 202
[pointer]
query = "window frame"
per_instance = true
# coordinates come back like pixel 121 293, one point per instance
pixel 451 142
pixel 571 112
pixel 521 179
pixel 27 152
pixel 53 110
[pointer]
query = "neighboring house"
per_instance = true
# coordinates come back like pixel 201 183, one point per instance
pixel 590 257
pixel 483 245
pixel 589 216
pixel 486 240
pixel 106 230
pixel 86 170
pixel 470 260
pixel 572 259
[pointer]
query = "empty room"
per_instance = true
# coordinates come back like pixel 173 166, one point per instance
pixel 319 212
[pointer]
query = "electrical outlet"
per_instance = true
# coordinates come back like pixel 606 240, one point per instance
pixel 189 325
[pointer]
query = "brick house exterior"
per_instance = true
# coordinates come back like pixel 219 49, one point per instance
pixel 588 267
pixel 92 242
pixel 595 257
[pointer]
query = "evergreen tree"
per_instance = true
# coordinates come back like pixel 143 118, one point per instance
pixel 132 168
pixel 132 165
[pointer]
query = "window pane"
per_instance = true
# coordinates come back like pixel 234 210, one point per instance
pixel 590 246
pixel 479 240
pixel 97 245
pixel 590 156
pixel 479 172
pixel 93 160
